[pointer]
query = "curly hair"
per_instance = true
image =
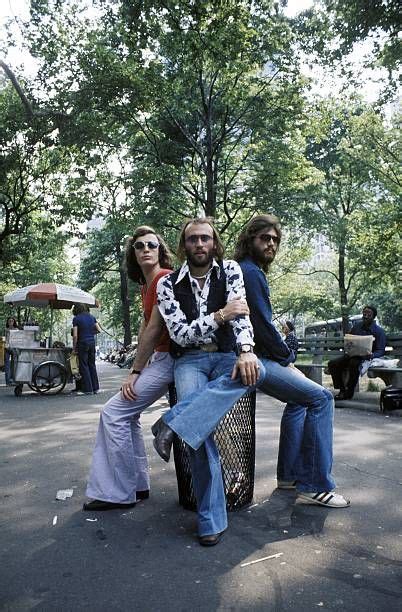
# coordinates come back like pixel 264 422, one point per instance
pixel 244 245
pixel 132 267
pixel 219 248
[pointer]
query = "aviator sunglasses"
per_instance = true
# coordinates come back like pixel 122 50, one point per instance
pixel 193 239
pixel 140 245
pixel 268 238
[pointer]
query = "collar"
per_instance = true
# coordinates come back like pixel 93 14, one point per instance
pixel 185 270
pixel 251 261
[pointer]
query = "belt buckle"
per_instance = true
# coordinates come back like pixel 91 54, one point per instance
pixel 209 348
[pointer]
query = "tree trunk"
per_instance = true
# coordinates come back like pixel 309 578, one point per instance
pixel 210 209
pixel 125 303
pixel 342 289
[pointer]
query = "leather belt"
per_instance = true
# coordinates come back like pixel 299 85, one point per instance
pixel 211 347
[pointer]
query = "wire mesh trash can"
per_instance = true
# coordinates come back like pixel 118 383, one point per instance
pixel 235 439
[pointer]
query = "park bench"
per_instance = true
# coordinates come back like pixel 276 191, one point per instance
pixel 318 350
pixel 322 349
pixel 393 350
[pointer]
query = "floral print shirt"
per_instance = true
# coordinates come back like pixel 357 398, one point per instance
pixel 201 330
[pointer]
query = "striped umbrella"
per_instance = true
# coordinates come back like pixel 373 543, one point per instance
pixel 50 294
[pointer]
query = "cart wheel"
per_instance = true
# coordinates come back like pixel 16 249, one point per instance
pixel 18 390
pixel 49 377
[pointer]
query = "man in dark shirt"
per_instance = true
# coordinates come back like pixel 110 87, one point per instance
pixel 305 447
pixel 345 370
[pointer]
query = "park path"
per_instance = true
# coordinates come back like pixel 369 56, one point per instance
pixel 147 559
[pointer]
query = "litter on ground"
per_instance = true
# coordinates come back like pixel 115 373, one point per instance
pixel 63 494
pixel 262 559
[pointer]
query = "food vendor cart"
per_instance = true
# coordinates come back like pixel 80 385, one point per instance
pixel 45 370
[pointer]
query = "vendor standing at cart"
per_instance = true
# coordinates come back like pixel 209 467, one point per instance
pixel 85 327
pixel 11 323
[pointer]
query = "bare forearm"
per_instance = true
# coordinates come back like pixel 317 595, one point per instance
pixel 75 339
pixel 148 340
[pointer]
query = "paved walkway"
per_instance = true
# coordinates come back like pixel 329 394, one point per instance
pixel 147 559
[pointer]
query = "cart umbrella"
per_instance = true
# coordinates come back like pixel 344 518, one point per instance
pixel 52 295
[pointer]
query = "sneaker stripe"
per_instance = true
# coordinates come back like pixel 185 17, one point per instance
pixel 326 498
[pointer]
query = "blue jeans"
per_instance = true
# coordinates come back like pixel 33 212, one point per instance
pixel 89 376
pixel 305 446
pixel 193 371
pixel 7 366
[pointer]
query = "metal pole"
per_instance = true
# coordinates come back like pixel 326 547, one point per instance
pixel 51 327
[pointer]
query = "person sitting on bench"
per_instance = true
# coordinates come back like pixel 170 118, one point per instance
pixel 345 370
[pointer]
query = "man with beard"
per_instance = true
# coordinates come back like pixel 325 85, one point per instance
pixel 204 307
pixel 306 436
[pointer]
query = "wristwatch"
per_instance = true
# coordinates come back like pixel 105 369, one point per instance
pixel 245 348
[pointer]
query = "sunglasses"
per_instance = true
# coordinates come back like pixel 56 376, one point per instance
pixel 193 239
pixel 140 245
pixel 268 238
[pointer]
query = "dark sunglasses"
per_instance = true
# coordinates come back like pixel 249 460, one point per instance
pixel 268 238
pixel 193 239
pixel 140 245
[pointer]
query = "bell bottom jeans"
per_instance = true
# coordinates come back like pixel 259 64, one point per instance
pixel 192 372
pixel 119 463
pixel 306 433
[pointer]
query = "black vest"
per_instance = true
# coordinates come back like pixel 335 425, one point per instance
pixel 217 298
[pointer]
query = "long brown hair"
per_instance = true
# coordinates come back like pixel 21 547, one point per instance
pixel 244 245
pixel 132 267
pixel 219 248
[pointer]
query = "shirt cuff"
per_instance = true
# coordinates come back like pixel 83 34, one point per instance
pixel 209 320
pixel 244 338
pixel 287 360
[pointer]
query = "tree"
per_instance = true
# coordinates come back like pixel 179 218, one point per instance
pixel 116 189
pixel 205 97
pixel 104 264
pixel 35 257
pixel 32 171
pixel 331 30
pixel 353 206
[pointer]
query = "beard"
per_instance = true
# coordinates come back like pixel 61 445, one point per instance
pixel 198 261
pixel 263 258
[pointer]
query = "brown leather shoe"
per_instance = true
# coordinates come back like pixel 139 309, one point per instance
pixel 163 441
pixel 210 540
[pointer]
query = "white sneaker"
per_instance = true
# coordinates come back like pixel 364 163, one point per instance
pixel 286 484
pixel 324 498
